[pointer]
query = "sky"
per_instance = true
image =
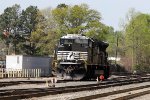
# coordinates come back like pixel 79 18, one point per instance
pixel 113 12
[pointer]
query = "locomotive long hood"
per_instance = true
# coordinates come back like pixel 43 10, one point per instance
pixel 101 43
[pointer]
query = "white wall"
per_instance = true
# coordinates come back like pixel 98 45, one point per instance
pixel 29 62
pixel 14 61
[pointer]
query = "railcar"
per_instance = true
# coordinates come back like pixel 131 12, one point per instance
pixel 78 57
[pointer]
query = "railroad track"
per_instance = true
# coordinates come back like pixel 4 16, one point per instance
pixel 10 83
pixel 36 92
pixel 124 94
pixel 4 84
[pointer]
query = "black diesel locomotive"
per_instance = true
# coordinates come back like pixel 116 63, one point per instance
pixel 79 57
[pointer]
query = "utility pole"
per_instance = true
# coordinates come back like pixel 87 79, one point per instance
pixel 116 53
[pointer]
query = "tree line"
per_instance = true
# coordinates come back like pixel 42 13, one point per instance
pixel 36 32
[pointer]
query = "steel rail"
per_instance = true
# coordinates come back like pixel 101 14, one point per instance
pixel 117 92
pixel 29 93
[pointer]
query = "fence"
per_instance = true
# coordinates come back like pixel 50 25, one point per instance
pixel 19 73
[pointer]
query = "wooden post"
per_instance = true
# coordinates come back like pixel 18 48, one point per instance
pixel 26 73
pixel 2 73
pixel 17 73
pixel 38 72
pixel 22 72
pixel 34 73
pixel 13 73
pixel 8 72
pixel 5 72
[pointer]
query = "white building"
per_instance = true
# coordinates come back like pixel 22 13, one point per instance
pixel 29 62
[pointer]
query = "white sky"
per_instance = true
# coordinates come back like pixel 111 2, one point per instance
pixel 112 11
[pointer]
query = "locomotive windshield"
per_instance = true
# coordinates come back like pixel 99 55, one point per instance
pixel 73 45
pixel 72 41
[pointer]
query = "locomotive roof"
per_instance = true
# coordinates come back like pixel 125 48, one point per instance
pixel 80 36
pixel 74 36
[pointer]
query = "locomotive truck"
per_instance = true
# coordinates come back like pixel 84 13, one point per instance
pixel 78 57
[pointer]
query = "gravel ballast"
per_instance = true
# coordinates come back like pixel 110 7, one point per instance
pixel 74 95
pixel 68 96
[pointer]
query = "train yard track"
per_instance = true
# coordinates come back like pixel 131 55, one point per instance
pixel 4 84
pixel 124 94
pixel 38 92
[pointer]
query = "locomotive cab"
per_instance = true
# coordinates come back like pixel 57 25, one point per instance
pixel 71 55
